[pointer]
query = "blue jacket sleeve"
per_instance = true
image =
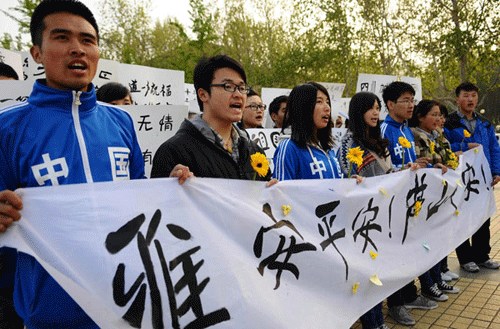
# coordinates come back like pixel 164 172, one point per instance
pixel 285 161
pixel 494 152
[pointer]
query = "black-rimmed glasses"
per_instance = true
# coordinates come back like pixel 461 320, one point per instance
pixel 231 87
pixel 255 107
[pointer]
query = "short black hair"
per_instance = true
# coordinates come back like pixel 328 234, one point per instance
pixel 7 71
pixel 112 91
pixel 421 110
pixel 48 7
pixel 252 92
pixel 466 86
pixel 395 89
pixel 443 109
pixel 205 69
pixel 274 107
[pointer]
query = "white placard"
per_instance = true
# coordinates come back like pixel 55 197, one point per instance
pixel 154 124
pixel 13 59
pixel 376 83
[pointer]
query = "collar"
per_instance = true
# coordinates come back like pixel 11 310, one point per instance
pixel 393 122
pixel 432 135
pixel 212 135
pixel 462 116
pixel 51 98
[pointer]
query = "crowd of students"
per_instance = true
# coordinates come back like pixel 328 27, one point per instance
pixel 63 121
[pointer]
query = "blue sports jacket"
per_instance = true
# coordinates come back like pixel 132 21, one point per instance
pixel 61 137
pixel 294 162
pixel 483 134
pixel 392 130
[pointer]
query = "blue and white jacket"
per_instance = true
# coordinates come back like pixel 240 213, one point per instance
pixel 294 162
pixel 392 130
pixel 484 134
pixel 61 137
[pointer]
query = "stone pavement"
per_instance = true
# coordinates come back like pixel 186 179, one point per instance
pixel 478 303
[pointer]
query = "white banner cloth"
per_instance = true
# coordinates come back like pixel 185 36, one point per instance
pixel 223 253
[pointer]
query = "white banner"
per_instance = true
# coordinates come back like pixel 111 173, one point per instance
pixel 235 254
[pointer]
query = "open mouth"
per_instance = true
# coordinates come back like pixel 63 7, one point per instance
pixel 237 106
pixel 77 66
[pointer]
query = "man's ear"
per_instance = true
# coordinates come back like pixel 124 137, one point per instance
pixel 36 53
pixel 390 105
pixel 203 94
pixel 273 116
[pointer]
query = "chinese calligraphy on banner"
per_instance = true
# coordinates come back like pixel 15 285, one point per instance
pixel 235 254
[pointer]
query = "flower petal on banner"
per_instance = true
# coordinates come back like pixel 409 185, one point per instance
pixel 286 208
pixel 459 183
pixel 373 254
pixel 426 246
pixel 375 280
pixel 382 191
pixel 355 287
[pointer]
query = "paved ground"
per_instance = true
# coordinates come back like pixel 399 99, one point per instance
pixel 478 303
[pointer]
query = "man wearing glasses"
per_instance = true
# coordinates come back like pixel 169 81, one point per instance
pixel 211 144
pixel 399 98
pixel 253 113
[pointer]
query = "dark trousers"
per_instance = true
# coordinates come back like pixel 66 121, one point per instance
pixel 430 277
pixel 478 248
pixel 8 316
pixel 404 295
pixel 374 318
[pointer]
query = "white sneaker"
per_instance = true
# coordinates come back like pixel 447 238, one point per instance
pixel 452 275
pixel 445 277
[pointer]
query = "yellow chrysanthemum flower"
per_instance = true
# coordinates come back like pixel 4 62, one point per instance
pixel 259 163
pixel 404 142
pixel 417 207
pixel 452 164
pixel 286 208
pixel 466 133
pixel 355 155
pixel 432 147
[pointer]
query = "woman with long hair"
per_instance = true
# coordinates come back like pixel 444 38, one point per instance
pixel 364 131
pixel 308 153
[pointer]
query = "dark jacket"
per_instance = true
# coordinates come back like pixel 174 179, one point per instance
pixel 484 134
pixel 203 157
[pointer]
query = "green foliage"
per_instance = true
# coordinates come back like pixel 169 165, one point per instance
pixel 285 42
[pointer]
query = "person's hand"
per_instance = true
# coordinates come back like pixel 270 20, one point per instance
pixel 272 182
pixel 472 145
pixel 10 205
pixel 422 162
pixel 444 169
pixel 359 179
pixel 496 179
pixel 182 172
pixel 412 166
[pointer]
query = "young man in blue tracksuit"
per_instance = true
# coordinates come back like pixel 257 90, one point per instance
pixel 399 97
pixel 61 135
pixel 474 253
